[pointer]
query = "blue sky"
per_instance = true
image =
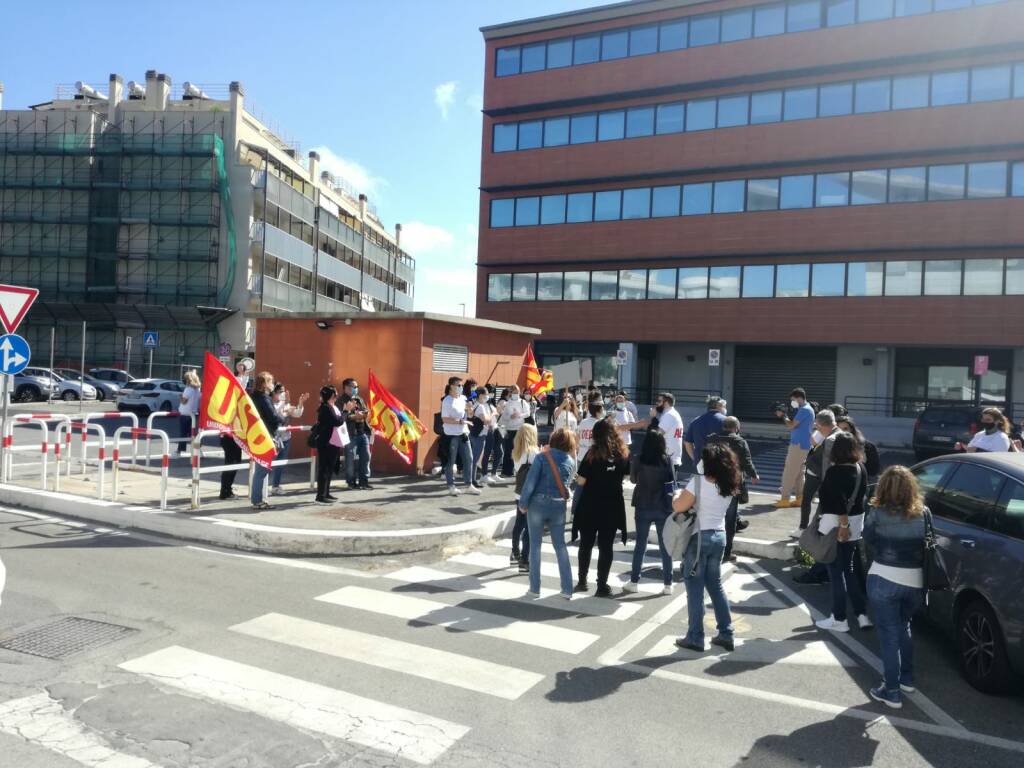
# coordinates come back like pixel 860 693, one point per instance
pixel 389 91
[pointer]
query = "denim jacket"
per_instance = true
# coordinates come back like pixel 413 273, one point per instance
pixel 540 481
pixel 893 539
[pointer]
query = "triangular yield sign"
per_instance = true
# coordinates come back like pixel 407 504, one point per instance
pixel 15 301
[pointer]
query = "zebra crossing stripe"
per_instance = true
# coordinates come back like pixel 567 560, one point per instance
pixel 456 617
pixel 43 721
pixel 301 704
pixel 497 562
pixel 385 653
pixel 500 589
pixel 761 650
pixel 619 555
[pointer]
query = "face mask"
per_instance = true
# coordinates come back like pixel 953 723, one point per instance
pixel 989 427
pixel 355 391
pixel 527 398
pixel 514 398
pixel 794 404
pixel 620 406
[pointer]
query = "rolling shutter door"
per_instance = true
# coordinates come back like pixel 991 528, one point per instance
pixel 766 374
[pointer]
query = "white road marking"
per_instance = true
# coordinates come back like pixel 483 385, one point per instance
pixel 462 619
pixel 651 557
pixel 383 652
pixel 748 590
pixel 499 562
pixel 501 589
pixel 43 721
pixel 760 650
pixel 305 565
pixel 301 704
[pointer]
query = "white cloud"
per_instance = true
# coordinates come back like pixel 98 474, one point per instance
pixel 445 266
pixel 475 101
pixel 444 97
pixel 351 171
pixel 420 238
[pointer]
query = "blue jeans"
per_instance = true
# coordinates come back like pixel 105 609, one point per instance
pixel 275 473
pixel 894 605
pixel 644 518
pixel 545 510
pixel 479 446
pixel 457 446
pixel 358 450
pixel 844 581
pixel 520 530
pixel 497 456
pixel 259 474
pixel 708 575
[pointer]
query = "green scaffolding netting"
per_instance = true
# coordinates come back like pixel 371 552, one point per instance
pixel 224 294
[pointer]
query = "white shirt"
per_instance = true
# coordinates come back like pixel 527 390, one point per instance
pixel 713 505
pixel 908 577
pixel 997 442
pixel 454 408
pixel 484 411
pixel 286 411
pixel 526 458
pixel 566 420
pixel 586 437
pixel 514 414
pixel 529 406
pixel 670 424
pixel 624 417
pixel 631 409
pixel 191 405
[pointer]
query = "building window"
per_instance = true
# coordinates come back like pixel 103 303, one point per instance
pixel 560 53
pixel 586 50
pixel 636 203
pixel 942 278
pixel 803 15
pixel 611 125
pixel 912 7
pixel 505 137
pixel 696 199
pixel 791 280
pixel 874 10
pixel 672 35
pixel 983 277
pixel 499 287
pixel 643 40
pixel 835 100
pixel 907 185
pixel 949 88
pixel 704 30
pixel 737 25
pixel 865 278
pixel 614 45
pixel 607 205
pixel 796 192
pixel 670 118
pixel 639 122
pixel 990 83
pixel 524 286
pixel 732 111
pixel 700 114
pixel 986 179
pixel 693 282
pixel 869 187
pixel 872 96
pixel 661 283
pixel 507 62
pixel 583 129
pixel 769 20
pixel 910 92
pixel 1014 277
pixel 840 13
pixel 665 201
pixel 556 132
pixel 1017 182
pixel 577 286
pixel 828 280
pixel 531 134
pixel 800 104
pixel 549 286
pixel 632 284
pixel 527 211
pixel 729 196
pixel 724 283
pixel 580 207
pixel 533 57
pixel 946 182
pixel 552 209
pixel 766 107
pixel 758 281
pixel 604 285
pixel 763 195
pixel 832 189
pixel 503 213
pixel 903 278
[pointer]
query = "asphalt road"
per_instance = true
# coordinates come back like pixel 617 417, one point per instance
pixel 238 661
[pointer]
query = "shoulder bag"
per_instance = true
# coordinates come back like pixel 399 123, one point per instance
pixel 822 546
pixel 936 577
pixel 680 527
pixel 558 477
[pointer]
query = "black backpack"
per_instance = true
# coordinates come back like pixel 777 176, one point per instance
pixel 314 435
pixel 872 463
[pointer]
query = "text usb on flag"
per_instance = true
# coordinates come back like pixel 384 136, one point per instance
pixel 227 407
pixel 391 419
pixel 15 301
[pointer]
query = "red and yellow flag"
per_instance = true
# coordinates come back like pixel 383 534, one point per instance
pixel 390 418
pixel 227 407
pixel 538 381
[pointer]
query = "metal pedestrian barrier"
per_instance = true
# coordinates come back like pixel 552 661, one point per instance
pixel 101 460
pixel 167 415
pixel 26 419
pixel 99 416
pixel 135 433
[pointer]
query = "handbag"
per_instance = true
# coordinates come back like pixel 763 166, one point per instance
pixel 936 576
pixel 558 478
pixel 314 436
pixel 680 528
pixel 822 546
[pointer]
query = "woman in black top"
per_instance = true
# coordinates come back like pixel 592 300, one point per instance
pixel 328 419
pixel 261 399
pixel 846 479
pixel 653 477
pixel 602 509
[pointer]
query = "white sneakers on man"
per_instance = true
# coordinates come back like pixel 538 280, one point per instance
pixel 474 490
pixel 629 586
pixel 490 479
pixel 830 623
pixel 668 589
pixel 453 491
pixel 864 622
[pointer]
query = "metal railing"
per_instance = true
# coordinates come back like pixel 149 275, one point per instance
pixel 910 407
pixel 135 433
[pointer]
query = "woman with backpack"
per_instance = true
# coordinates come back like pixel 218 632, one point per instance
pixel 895 529
pixel 524 450
pixel 543 501
pixel 652 475
pixel 601 511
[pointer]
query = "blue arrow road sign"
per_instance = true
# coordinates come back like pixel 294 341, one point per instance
pixel 150 339
pixel 14 354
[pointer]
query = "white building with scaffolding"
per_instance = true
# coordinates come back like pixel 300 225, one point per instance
pixel 178 210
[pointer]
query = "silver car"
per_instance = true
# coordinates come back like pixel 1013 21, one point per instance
pixel 66 389
pixel 150 395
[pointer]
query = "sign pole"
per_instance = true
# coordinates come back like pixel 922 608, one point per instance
pixel 81 392
pixel 150 375
pixel 3 421
pixel 53 333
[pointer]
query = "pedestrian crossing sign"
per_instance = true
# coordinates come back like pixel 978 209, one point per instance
pixel 150 339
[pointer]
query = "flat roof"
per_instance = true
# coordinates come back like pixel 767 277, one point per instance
pixel 476 322
pixel 582 16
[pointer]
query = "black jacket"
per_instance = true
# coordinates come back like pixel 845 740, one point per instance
pixel 355 427
pixel 740 448
pixel 651 481
pixel 326 421
pixel 265 409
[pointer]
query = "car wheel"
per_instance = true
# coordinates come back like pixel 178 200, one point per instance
pixel 68 396
pixel 166 406
pixel 27 394
pixel 983 657
pixel 100 396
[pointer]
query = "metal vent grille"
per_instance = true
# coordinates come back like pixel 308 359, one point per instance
pixel 64 637
pixel 763 375
pixel 451 357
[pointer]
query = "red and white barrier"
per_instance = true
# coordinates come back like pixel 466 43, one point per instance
pixel 169 414
pixel 134 434
pixel 25 419
pixel 77 426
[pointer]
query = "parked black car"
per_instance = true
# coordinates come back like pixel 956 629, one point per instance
pixel 977 501
pixel 940 427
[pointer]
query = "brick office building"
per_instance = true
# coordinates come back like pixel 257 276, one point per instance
pixel 829 192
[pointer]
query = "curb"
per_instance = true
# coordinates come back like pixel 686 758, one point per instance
pixel 254 537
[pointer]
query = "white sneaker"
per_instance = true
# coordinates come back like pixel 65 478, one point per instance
pixel 453 491
pixel 908 688
pixel 474 490
pixel 864 622
pixel 567 597
pixel 490 479
pixel 275 491
pixel 629 586
pixel 832 624
pixel 668 589
pixel 435 471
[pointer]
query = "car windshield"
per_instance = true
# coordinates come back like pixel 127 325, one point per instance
pixel 946 416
